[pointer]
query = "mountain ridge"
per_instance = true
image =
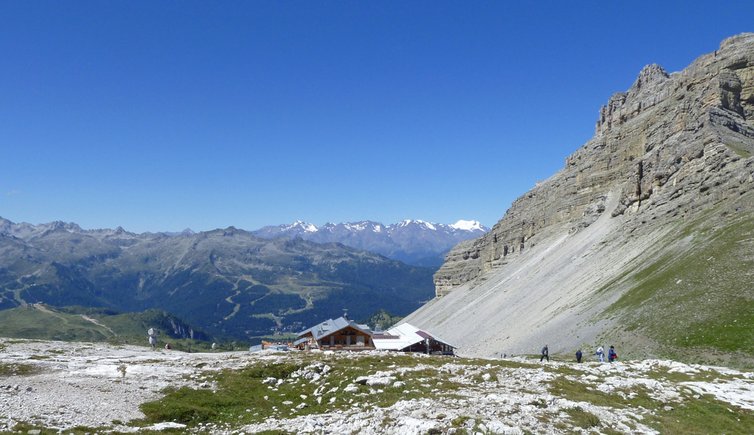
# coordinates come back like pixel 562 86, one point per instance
pixel 668 171
pixel 412 241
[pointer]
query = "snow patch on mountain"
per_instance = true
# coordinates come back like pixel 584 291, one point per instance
pixel 418 222
pixel 300 225
pixel 468 225
pixel 413 241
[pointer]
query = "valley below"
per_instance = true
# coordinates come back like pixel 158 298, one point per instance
pixel 228 283
pixel 77 387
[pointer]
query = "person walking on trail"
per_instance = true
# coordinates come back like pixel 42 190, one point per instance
pixel 152 336
pixel 611 355
pixel 600 354
pixel 578 356
pixel 545 354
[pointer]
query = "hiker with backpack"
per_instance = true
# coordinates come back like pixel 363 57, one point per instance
pixel 611 355
pixel 545 354
pixel 600 354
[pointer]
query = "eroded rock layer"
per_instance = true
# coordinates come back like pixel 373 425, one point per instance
pixel 678 141
pixel 644 240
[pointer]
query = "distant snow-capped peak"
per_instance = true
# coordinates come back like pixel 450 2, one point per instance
pixel 413 241
pixel 468 225
pixel 304 226
pixel 461 225
pixel 419 222
pixel 363 226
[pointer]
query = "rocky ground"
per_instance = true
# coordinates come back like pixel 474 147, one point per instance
pixel 60 386
pixel 91 384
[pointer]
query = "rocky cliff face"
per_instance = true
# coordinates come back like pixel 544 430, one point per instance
pixel 672 141
pixel 645 239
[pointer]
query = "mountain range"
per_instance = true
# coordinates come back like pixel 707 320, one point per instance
pixel 226 282
pixel 644 240
pixel 414 242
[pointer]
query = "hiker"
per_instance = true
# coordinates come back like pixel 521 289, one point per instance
pixel 611 355
pixel 545 354
pixel 152 334
pixel 578 356
pixel 600 354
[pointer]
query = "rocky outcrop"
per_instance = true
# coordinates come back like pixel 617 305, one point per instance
pixel 669 146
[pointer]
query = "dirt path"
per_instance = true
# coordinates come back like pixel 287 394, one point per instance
pixel 96 322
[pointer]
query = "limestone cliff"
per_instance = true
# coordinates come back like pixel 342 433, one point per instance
pixel 652 219
pixel 666 141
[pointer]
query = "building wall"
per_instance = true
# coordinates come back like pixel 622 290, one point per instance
pixel 348 337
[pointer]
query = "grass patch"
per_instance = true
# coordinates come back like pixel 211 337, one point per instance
pixel 704 416
pixel 740 150
pixel 581 392
pixel 562 370
pixel 7 369
pixel 692 415
pixel 697 299
pixel 40 357
pixel 502 363
pixel 22 428
pixel 25 428
pixel 583 419
pixel 303 387
pixel 460 421
pixel 237 391
pixel 664 374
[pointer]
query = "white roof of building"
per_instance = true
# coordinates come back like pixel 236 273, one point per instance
pixel 402 336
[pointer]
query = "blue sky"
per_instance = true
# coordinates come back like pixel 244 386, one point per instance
pixel 158 116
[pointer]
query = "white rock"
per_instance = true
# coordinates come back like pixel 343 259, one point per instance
pixel 166 425
pixel 351 388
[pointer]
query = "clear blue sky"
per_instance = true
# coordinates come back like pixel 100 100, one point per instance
pixel 172 114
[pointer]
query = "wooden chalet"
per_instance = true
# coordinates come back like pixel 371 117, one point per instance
pixel 338 334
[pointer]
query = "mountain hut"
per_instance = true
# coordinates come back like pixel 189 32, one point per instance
pixel 339 334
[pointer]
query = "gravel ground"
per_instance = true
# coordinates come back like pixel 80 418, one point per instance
pixel 86 384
